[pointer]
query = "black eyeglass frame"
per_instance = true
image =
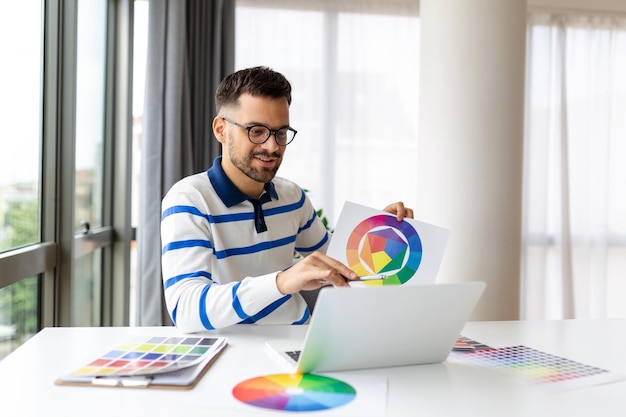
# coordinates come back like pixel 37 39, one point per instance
pixel 270 132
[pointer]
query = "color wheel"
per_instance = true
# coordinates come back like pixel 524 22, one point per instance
pixel 382 244
pixel 294 392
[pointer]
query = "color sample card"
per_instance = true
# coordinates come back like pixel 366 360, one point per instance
pixel 294 392
pixel 537 367
pixel 151 355
pixel 374 243
pixel 466 344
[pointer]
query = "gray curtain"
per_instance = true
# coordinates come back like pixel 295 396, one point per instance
pixel 190 49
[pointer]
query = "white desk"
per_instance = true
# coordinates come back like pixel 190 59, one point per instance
pixel 448 389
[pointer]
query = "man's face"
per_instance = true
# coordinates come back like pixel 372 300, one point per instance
pixel 257 162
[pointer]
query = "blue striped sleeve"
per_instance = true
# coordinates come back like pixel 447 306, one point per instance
pixel 304 318
pixel 309 223
pixel 173 315
pixel 314 247
pixel 236 304
pixel 196 274
pixel 267 310
pixel 202 305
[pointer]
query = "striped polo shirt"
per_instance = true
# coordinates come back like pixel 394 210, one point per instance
pixel 220 256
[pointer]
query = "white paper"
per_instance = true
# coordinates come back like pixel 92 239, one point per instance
pixel 370 398
pixel 371 241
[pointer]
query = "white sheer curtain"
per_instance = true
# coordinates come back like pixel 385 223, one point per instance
pixel 354 66
pixel 575 177
pixel 354 70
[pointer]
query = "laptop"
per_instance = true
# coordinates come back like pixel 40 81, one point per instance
pixel 382 326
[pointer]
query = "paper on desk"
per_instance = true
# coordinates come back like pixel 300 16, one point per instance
pixel 371 241
pixel 370 398
pixel 537 368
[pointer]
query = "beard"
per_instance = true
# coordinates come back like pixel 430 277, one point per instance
pixel 245 164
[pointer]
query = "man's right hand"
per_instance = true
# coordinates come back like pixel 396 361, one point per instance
pixel 312 272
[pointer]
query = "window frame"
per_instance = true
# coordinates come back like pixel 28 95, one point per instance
pixel 52 258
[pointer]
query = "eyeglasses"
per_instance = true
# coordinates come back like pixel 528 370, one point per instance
pixel 260 134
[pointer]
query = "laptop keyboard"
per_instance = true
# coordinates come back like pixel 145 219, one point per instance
pixel 294 354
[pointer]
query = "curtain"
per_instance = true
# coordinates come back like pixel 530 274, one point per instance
pixel 190 49
pixel 354 69
pixel 574 232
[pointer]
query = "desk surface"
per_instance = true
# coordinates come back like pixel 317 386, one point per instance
pixel 448 389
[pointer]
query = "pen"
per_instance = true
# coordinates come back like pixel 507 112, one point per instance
pixel 371 277
pixel 362 278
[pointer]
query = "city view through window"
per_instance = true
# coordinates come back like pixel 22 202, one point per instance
pixel 20 118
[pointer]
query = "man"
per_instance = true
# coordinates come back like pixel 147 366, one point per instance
pixel 229 234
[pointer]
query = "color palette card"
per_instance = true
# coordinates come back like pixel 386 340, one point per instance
pixel 152 355
pixel 539 368
pixel 372 242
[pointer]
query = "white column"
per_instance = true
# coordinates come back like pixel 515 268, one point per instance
pixel 471 142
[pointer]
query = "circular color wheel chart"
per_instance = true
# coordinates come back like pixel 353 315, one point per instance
pixel 383 245
pixel 294 392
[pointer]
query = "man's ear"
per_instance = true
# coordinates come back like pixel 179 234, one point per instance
pixel 219 129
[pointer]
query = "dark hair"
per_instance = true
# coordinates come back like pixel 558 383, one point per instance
pixel 257 81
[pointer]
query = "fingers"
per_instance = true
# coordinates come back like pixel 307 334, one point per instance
pixel 337 272
pixel 399 210
pixel 312 272
pixel 335 279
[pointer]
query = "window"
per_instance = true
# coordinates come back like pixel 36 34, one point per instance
pixel 64 84
pixel 90 158
pixel 355 95
pixel 20 163
pixel 140 50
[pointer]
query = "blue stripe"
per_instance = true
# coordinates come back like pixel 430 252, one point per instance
pixel 309 223
pixel 182 209
pixel 202 305
pixel 226 218
pixel 196 274
pixel 174 314
pixel 259 247
pixel 285 209
pixel 267 310
pixel 304 318
pixel 192 243
pixel 237 304
pixel 314 247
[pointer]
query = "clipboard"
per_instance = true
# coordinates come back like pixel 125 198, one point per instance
pixel 152 362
